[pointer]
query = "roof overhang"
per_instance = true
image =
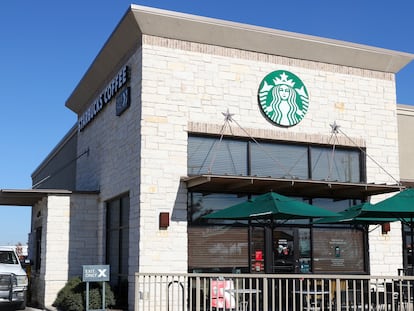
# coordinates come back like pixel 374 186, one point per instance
pixel 289 187
pixel 28 197
pixel 139 20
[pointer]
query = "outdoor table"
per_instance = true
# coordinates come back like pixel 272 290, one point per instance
pixel 241 293
pixel 313 297
pixel 404 293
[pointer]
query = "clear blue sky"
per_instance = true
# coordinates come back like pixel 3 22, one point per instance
pixel 47 45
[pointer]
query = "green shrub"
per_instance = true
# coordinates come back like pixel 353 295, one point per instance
pixel 72 297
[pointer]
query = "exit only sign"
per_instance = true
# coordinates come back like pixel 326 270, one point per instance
pixel 95 273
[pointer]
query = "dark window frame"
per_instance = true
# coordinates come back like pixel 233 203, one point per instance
pixel 360 166
pixel 38 249
pixel 119 272
pixel 215 140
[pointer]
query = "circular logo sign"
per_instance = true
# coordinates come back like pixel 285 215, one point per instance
pixel 283 98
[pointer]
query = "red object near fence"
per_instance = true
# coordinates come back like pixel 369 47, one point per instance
pixel 222 294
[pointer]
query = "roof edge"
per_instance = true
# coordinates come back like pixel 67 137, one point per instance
pixel 143 10
pixel 140 20
pixel 125 37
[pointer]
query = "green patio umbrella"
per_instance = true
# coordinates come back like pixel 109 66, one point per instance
pixel 352 215
pixel 400 205
pixel 271 205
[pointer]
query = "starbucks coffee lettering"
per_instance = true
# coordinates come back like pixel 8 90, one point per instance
pixel 118 82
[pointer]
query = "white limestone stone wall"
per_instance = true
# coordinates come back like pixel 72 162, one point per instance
pixel 116 165
pixel 113 164
pixel 70 226
pixel 385 250
pixel 55 246
pixel 188 82
pixel 144 151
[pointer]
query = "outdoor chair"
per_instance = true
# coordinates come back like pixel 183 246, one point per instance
pixel 222 294
pixel 404 294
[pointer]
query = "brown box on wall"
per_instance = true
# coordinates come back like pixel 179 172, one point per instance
pixel 164 220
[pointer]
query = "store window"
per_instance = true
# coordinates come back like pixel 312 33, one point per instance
pixel 211 155
pixel 297 245
pixel 117 245
pixel 200 204
pixel 38 249
pixel 279 160
pixel 340 164
pixel 338 250
pixel 407 251
pixel 279 246
pixel 230 156
pixel 218 249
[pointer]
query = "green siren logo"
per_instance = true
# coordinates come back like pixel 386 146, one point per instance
pixel 283 98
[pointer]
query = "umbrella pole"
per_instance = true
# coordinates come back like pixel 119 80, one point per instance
pixel 249 248
pixel 268 245
pixel 411 242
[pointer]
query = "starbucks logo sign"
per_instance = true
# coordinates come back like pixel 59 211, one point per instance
pixel 283 98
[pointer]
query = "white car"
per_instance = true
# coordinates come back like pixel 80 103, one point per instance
pixel 13 279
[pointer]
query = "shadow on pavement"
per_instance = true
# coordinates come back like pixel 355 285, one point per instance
pixel 7 307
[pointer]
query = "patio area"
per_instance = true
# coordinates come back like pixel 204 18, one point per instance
pixel 257 292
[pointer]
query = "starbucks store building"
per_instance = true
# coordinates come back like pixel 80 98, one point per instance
pixel 180 116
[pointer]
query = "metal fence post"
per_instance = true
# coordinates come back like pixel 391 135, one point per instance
pixel 338 294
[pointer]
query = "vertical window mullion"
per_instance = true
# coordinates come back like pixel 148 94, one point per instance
pixel 309 162
pixel 117 223
pixel 249 158
pixel 362 167
pixel 120 237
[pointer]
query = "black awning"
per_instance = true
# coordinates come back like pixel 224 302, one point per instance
pixel 288 187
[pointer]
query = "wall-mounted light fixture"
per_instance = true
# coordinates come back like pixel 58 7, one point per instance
pixel 385 227
pixel 164 220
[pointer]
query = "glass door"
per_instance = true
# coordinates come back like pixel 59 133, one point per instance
pixel 257 249
pixel 284 260
pixel 280 250
pixel 407 250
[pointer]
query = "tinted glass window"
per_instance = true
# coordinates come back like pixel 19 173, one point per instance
pixel 338 250
pixel 117 246
pixel 202 204
pixel 338 165
pixel 279 160
pixel 225 156
pixel 215 156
